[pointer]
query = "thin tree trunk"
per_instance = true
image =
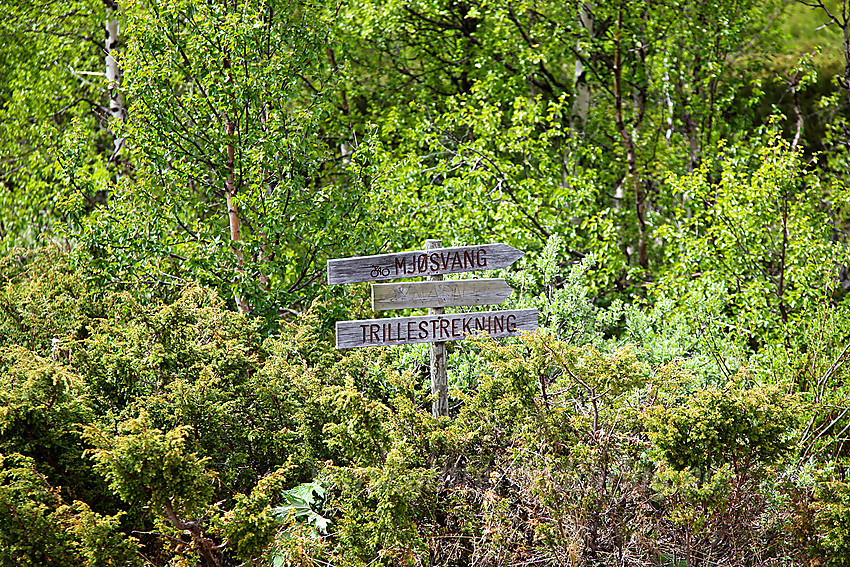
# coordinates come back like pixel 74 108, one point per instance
pixel 113 72
pixel 230 187
pixel 232 209
pixel 798 111
pixel 628 142
pixel 581 88
pixel 844 23
pixel 345 149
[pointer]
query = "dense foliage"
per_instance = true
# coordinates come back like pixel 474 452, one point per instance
pixel 676 171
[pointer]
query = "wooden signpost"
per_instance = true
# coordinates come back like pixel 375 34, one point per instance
pixel 437 349
pixel 435 294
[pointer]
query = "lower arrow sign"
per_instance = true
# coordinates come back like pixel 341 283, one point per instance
pixel 433 328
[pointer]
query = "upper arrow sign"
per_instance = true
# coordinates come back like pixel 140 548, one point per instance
pixel 422 263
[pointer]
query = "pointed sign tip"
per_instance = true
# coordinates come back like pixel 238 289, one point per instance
pixel 512 254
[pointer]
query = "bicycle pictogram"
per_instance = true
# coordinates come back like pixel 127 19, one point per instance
pixel 378 271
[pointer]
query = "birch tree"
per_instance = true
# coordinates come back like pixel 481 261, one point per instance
pixel 51 81
pixel 552 117
pixel 235 185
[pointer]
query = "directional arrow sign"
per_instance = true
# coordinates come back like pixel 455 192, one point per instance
pixel 433 328
pixel 446 293
pixel 421 263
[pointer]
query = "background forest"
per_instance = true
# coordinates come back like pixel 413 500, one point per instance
pixel 175 173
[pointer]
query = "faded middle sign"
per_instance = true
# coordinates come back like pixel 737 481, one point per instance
pixel 445 293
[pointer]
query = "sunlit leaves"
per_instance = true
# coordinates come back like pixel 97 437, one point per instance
pixel 757 224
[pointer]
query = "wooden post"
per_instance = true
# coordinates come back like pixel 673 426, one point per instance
pixel 439 376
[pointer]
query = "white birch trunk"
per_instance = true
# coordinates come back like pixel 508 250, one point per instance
pixel 581 88
pixel 113 72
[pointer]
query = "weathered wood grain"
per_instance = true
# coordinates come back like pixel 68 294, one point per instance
pixel 433 328
pixel 446 293
pixel 421 263
pixel 437 350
